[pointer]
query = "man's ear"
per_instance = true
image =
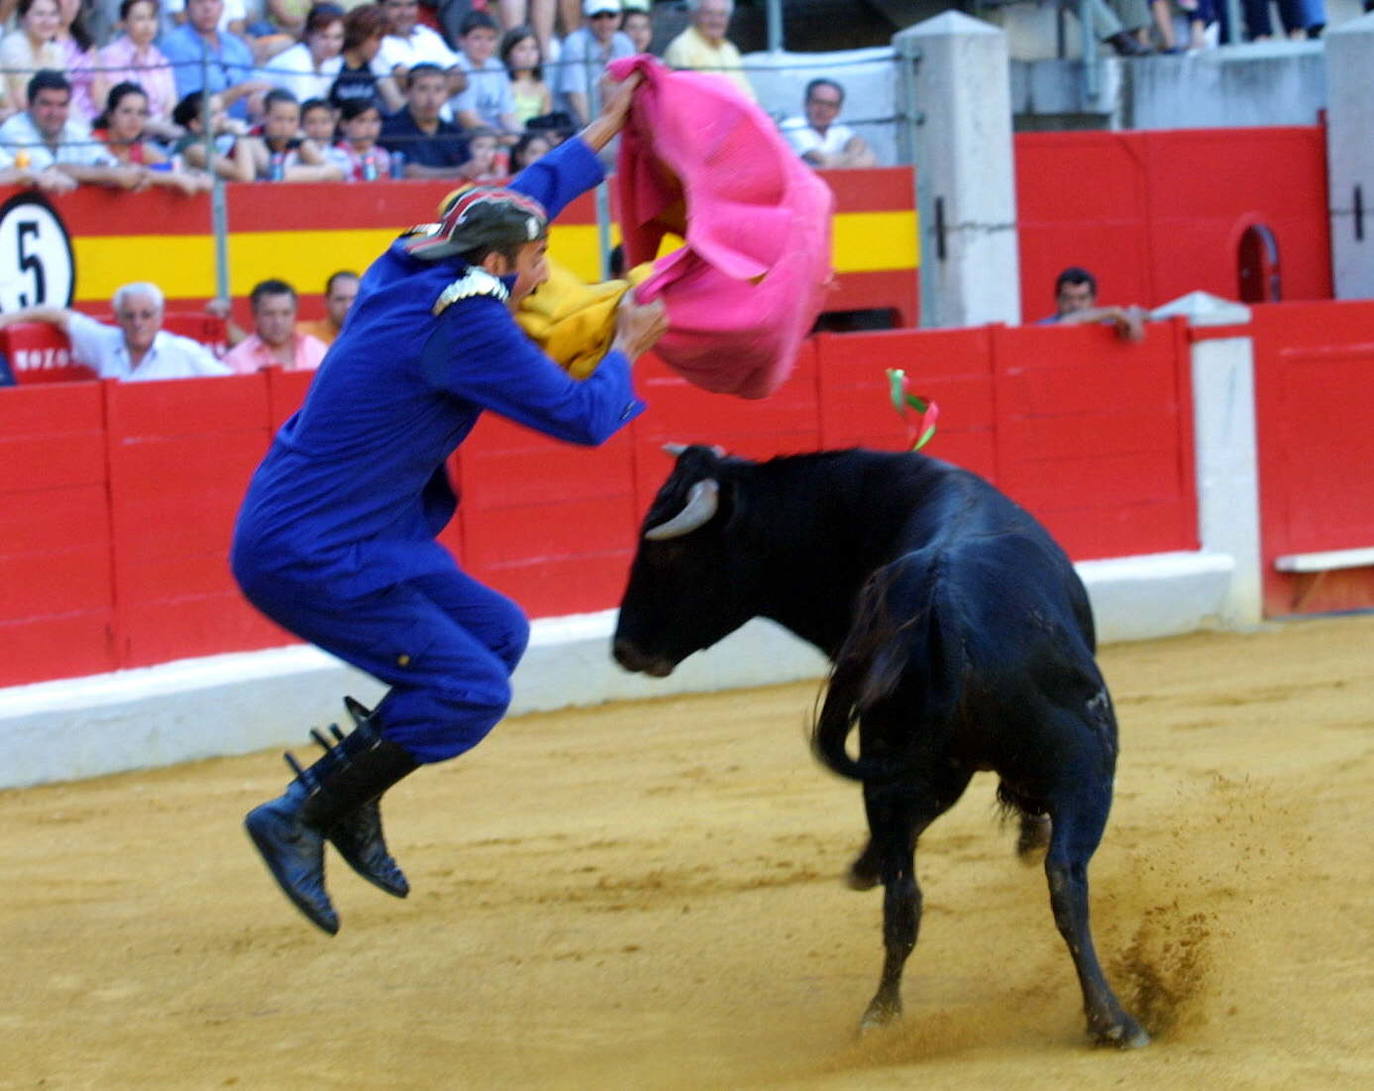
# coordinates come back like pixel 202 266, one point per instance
pixel 497 264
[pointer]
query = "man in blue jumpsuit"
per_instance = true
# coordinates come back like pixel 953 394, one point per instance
pixel 336 537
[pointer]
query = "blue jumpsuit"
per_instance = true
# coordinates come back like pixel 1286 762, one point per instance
pixel 336 537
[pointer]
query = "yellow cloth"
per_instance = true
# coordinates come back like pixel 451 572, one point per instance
pixel 574 322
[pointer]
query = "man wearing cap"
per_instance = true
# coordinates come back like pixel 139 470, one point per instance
pixel 586 52
pixel 336 539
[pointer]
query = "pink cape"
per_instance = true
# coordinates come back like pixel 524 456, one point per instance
pixel 700 161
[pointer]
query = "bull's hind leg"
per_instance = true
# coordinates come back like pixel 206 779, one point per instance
pixel 1077 829
pixel 897 816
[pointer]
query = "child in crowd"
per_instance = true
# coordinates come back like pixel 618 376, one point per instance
pixel 520 55
pixel 531 147
pixel 488 162
pixel 364 159
pixel 121 129
pixel 280 153
pixel 488 100
pixel 231 157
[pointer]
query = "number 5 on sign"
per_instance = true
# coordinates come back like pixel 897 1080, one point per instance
pixel 36 263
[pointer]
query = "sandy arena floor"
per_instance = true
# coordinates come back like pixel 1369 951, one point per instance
pixel 647 896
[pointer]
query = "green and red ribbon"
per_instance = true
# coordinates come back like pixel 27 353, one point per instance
pixel 919 432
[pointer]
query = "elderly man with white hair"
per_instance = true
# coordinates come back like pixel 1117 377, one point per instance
pixel 704 47
pixel 138 348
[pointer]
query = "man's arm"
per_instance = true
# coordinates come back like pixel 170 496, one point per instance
pixel 1128 321
pixel 55 316
pixel 857 153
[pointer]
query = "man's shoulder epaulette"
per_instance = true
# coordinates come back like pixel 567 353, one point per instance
pixel 474 282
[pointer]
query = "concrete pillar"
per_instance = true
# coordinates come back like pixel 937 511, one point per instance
pixel 1226 449
pixel 957 77
pixel 1350 156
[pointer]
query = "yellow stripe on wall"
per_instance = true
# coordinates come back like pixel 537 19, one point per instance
pixel 184 265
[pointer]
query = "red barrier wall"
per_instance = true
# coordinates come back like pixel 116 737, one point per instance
pixel 1157 214
pixel 1314 393
pixel 119 499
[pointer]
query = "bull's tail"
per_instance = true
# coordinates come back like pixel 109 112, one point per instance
pixel 897 636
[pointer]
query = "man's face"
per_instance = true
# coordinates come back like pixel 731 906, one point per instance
pixel 340 298
pixel 823 107
pixel 49 108
pixel 139 317
pixel 479 44
pixel 204 14
pixel 426 95
pixel 531 269
pixel 404 15
pixel 282 120
pixel 604 24
pixel 274 318
pixel 712 19
pixel 639 29
pixel 1075 297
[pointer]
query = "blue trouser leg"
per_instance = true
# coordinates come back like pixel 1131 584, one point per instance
pixel 445 644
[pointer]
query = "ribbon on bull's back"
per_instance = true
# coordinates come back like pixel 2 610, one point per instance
pixel 698 160
pixel 919 433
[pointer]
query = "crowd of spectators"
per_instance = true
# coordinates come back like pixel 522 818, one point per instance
pixel 174 93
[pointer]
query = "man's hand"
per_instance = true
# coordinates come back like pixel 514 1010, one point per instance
pixel 615 108
pixel 53 181
pixel 638 326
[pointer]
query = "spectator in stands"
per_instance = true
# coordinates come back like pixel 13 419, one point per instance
pixel 121 129
pixel 531 147
pixel 203 56
pixel 231 156
pixel 138 348
pixel 637 25
pixel 245 19
pixel 1301 19
pixel 362 158
pixel 704 47
pixel 309 68
pixel 488 100
pixel 818 137
pixel 538 15
pixel 586 52
pixel 340 290
pixel 45 135
pixel 487 162
pixel 433 147
pixel 1106 27
pixel 364 29
pixel 134 58
pixel 410 42
pixel 1075 297
pixel 30 48
pixel 520 54
pixel 281 154
pixel 274 341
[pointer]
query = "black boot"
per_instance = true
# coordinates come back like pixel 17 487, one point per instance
pixel 290 831
pixel 358 836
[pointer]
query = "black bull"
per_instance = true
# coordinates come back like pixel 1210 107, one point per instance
pixel 961 640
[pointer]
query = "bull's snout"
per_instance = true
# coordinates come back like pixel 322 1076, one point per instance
pixel 632 659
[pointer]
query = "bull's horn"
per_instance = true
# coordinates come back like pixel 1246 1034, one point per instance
pixel 701 506
pixel 676 449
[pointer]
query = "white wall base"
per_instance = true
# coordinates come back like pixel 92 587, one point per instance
pixel 239 703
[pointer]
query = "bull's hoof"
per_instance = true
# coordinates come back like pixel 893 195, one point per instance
pixel 880 1015
pixel 1126 1034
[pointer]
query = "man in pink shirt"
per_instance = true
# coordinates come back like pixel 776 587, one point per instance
pixel 275 342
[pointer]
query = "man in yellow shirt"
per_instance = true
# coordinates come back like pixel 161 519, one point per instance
pixel 704 47
pixel 339 292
